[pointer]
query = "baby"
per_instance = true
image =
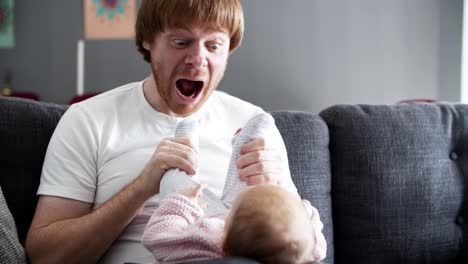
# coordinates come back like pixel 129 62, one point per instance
pixel 266 222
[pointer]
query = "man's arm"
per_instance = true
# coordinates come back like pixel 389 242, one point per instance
pixel 69 231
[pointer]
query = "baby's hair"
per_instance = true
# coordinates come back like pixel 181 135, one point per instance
pixel 267 226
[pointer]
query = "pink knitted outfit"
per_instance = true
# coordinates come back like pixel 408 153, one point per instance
pixel 178 231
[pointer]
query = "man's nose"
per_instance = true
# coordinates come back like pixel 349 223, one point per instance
pixel 196 56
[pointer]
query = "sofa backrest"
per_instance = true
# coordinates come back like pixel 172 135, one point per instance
pixel 389 181
pixel 306 138
pixel 399 176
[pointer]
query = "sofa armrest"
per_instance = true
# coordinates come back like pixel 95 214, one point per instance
pixel 25 130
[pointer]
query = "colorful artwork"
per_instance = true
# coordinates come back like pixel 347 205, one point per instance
pixel 7 34
pixel 109 19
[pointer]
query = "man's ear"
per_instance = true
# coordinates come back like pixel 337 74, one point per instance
pixel 146 45
pixel 224 248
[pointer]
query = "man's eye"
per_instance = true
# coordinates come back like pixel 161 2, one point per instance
pixel 215 46
pixel 180 42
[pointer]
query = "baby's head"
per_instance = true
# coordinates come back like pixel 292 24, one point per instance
pixel 269 224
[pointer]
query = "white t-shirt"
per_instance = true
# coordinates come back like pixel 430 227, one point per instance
pixel 102 144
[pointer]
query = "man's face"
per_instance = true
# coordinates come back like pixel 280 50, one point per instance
pixel 187 63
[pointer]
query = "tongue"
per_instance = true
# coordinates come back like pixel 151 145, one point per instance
pixel 186 87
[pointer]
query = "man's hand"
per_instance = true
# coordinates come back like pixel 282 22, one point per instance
pixel 171 153
pixel 261 162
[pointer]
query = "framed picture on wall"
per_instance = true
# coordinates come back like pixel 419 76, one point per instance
pixel 109 19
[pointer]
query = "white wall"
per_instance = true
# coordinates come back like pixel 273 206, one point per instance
pixel 464 67
pixel 307 55
pixel 450 39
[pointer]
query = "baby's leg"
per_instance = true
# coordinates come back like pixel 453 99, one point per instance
pixel 176 180
pixel 256 127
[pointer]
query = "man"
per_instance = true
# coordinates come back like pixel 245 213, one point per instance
pixel 101 173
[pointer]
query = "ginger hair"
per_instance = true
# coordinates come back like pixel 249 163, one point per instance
pixel 154 16
pixel 269 225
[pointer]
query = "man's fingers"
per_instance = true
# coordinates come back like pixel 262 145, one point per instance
pixel 171 161
pixel 190 157
pixel 256 144
pixel 257 156
pixel 185 141
pixel 184 165
pixel 171 155
pixel 260 168
pixel 178 143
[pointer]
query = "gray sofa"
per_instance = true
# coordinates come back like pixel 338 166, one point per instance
pixel 390 182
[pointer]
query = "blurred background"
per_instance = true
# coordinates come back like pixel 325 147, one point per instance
pixel 296 55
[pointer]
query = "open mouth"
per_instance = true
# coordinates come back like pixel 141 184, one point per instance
pixel 189 88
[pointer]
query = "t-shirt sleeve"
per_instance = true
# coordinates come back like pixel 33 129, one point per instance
pixel 69 168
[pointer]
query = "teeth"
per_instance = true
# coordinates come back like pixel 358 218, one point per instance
pixel 194 93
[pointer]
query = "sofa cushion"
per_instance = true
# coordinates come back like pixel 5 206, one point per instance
pixel 11 250
pixel 25 129
pixel 306 139
pixel 398 174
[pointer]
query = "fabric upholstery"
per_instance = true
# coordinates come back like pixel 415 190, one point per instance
pixel 306 138
pixel 399 174
pixel 11 250
pixel 397 188
pixel 25 129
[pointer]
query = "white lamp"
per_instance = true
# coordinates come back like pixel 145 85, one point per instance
pixel 80 68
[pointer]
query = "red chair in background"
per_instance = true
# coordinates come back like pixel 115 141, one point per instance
pixel 412 101
pixel 83 97
pixel 27 95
